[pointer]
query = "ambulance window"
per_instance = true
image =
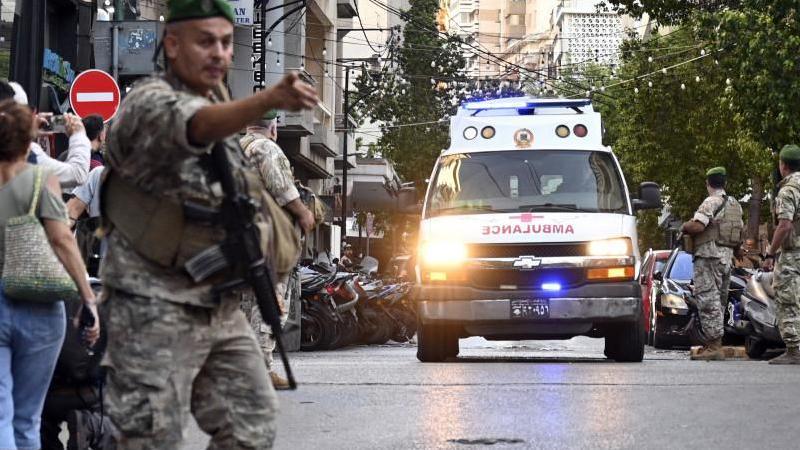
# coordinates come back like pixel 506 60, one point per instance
pixel 512 181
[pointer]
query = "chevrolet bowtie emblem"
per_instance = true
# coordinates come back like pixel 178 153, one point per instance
pixel 527 262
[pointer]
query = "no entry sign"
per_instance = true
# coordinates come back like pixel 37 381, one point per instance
pixel 94 92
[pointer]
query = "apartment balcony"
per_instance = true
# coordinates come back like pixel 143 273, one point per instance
pixel 515 32
pixel 515 7
pixel 345 9
pixel 324 141
pixel 298 123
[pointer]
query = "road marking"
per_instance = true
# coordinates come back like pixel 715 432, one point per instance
pixel 95 96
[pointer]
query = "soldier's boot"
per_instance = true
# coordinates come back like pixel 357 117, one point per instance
pixel 791 356
pixel 88 429
pixel 710 352
pixel 278 382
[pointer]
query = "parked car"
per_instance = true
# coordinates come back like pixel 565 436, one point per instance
pixel 652 263
pixel 668 324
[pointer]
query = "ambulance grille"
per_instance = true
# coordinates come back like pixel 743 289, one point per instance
pixel 533 279
pixel 517 250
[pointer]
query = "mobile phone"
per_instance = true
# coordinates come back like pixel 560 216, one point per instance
pixel 58 124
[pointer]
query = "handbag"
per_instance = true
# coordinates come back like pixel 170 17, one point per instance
pixel 31 271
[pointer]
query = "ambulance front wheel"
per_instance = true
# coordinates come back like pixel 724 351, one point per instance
pixel 625 341
pixel 437 342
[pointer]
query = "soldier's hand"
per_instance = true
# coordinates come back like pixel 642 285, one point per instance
pixel 768 264
pixel 306 221
pixel 293 94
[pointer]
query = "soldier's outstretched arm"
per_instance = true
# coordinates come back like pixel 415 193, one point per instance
pixel 218 121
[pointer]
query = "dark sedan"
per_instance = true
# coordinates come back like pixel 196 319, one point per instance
pixel 668 324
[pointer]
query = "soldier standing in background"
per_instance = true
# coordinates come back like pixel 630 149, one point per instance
pixel 176 345
pixel 712 260
pixel 266 155
pixel 786 280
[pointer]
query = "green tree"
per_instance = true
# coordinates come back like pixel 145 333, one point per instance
pixel 670 127
pixel 420 86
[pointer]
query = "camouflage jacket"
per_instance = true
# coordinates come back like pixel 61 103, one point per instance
pixel 148 146
pixel 273 166
pixel 704 215
pixel 787 202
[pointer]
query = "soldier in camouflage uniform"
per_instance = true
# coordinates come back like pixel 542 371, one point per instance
pixel 264 153
pixel 786 280
pixel 176 346
pixel 712 266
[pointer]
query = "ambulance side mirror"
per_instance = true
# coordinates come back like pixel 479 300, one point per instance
pixel 649 196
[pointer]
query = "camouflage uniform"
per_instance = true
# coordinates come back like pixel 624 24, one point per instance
pixel 712 272
pixel 276 173
pixel 786 280
pixel 173 345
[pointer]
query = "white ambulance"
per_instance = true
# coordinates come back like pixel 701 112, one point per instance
pixel 529 232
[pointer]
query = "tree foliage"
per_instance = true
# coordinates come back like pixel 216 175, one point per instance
pixel 403 93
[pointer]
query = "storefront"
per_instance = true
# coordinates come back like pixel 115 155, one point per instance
pixel 40 49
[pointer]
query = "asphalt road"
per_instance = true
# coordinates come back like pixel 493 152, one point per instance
pixel 533 394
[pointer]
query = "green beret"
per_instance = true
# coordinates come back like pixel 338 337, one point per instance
pixel 790 152
pixel 199 9
pixel 717 171
pixel 271 114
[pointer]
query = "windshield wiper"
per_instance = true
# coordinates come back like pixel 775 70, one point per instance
pixel 554 207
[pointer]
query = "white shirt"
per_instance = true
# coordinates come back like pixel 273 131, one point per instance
pixel 75 170
pixel 89 192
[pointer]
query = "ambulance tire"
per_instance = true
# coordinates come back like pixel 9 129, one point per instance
pixel 436 343
pixel 625 342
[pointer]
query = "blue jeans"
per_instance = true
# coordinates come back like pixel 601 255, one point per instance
pixel 31 335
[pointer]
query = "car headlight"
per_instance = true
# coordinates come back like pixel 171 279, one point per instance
pixel 443 253
pixel 610 247
pixel 673 301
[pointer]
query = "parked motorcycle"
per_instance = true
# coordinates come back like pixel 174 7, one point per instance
pixel 759 318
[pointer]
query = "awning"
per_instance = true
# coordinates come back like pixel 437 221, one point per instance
pixel 371 196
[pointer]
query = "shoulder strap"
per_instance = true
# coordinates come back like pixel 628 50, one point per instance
pixel 37 189
pixel 721 207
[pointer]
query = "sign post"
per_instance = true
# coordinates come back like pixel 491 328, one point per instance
pixel 95 92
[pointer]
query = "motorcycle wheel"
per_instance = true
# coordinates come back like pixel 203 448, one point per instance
pixel 315 332
pixel 754 347
pixel 372 332
pixel 407 327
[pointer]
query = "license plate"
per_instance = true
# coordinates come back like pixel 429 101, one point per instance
pixel 537 308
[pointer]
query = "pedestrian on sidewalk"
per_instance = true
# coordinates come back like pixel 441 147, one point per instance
pixel 713 256
pixel 786 239
pixel 31 333
pixel 177 346
pixel 261 148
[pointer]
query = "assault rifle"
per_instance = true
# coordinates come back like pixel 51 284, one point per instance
pixel 243 245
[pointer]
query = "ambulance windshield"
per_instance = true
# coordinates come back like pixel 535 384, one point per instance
pixel 526 180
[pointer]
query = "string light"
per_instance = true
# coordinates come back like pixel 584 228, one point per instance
pixel 324 51
pixel 683 87
pixel 269 42
pixel 697 79
pixel 649 84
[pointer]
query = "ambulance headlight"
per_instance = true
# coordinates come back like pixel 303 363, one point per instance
pixel 470 133
pixel 443 253
pixel 610 247
pixel 673 301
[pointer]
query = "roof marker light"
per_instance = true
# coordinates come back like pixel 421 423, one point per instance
pixel 487 132
pixel 470 133
pixel 562 131
pixel 551 287
pixel 580 130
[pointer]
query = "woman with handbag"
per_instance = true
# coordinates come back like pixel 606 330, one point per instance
pixel 40 266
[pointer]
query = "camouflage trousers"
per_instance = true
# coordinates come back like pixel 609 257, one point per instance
pixel 712 278
pixel 167 359
pixel 263 331
pixel 786 282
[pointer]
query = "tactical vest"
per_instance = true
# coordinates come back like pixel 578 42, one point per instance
pixel 178 233
pixel 725 227
pixel 790 242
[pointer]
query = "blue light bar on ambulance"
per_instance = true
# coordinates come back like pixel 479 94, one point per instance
pixel 523 103
pixel 551 287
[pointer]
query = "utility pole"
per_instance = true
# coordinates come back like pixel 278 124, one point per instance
pixel 119 10
pixel 344 149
